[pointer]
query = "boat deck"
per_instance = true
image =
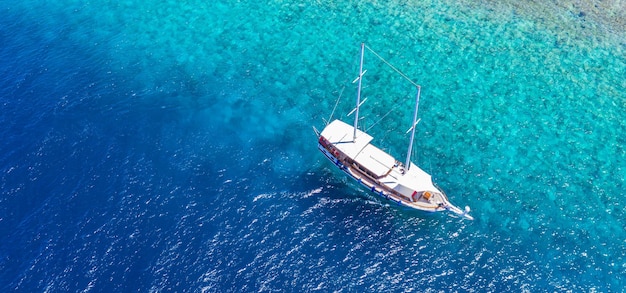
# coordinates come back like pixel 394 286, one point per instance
pixel 379 171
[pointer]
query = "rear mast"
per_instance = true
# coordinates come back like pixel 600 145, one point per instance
pixel 412 129
pixel 358 94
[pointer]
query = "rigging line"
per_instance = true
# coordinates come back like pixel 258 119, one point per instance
pixel 392 67
pixel 338 99
pixel 336 103
pixel 381 118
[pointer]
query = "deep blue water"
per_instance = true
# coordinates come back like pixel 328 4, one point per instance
pixel 163 146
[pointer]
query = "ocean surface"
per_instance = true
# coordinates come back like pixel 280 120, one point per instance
pixel 160 146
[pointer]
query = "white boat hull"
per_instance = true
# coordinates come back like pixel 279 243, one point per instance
pixel 381 173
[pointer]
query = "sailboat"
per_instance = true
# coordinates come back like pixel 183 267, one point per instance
pixel 351 150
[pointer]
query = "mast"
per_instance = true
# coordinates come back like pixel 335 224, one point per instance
pixel 358 94
pixel 408 154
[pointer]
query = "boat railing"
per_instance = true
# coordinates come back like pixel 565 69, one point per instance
pixel 443 193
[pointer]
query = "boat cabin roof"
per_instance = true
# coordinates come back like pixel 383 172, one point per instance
pixel 340 134
pixel 375 160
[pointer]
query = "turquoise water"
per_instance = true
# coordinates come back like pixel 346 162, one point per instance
pixel 160 146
